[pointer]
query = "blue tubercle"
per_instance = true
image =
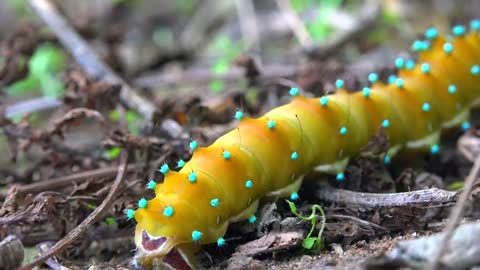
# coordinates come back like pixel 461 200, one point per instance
pixel 392 78
pixel 452 89
pixel 387 159
pixel 475 25
pixel 271 124
pixel 252 219
pixel 366 92
pixel 343 130
pixel 168 211
pixel 238 115
pixel 248 184
pixel 372 77
pixel 386 123
pixel 130 213
pixel 339 83
pixel 410 64
pixel 164 169
pixel 399 63
pixel 475 70
pixel 193 145
pixel 340 177
pixel 196 235
pixel 226 155
pixel 458 30
pixel 426 107
pixel 192 177
pixel 221 242
pixel 215 202
pixel 466 125
pixel 324 101
pixel 294 91
pixel 435 149
pixel 399 82
pixel 294 196
pixel 142 203
pixel 294 156
pixel 431 33
pixel 151 184
pixel 448 47
pixel 425 68
pixel 180 163
pixel 419 45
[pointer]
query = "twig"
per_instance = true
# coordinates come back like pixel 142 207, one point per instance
pixel 87 58
pixel 195 76
pixel 369 15
pixel 93 217
pixel 360 221
pixel 52 263
pixel 297 26
pixel 32 105
pixel 432 196
pixel 248 24
pixel 455 216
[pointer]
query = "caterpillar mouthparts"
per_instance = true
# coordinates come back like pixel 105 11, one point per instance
pixel 269 155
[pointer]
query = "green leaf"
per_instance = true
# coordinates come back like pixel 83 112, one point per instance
pixel 112 153
pixel 216 86
pixel 309 242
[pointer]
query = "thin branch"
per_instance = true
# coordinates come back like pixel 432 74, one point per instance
pixel 360 221
pixel 92 218
pixel 87 58
pixel 455 216
pixel 297 26
pixel 432 196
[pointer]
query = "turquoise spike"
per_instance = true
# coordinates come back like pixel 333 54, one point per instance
pixel 372 77
pixel 399 63
pixel 168 211
pixel 180 163
pixel 324 101
pixel 386 159
pixel 452 89
pixel 193 145
pixel 425 68
pixel 448 47
pixel 271 124
pixel 410 64
pixel 431 33
pixel 426 107
pixel 239 115
pixel 248 184
pixel 386 123
pixel 294 156
pixel 475 70
pixel 458 30
pixel 192 177
pixel 252 219
pixel 294 91
pixel 475 25
pixel 130 213
pixel 294 196
pixel 196 235
pixel 164 169
pixel 142 203
pixel 399 82
pixel 226 155
pixel 339 84
pixel 435 149
pixel 392 79
pixel 366 92
pixel 340 177
pixel 151 184
pixel 343 130
pixel 466 125
pixel 221 242
pixel 215 202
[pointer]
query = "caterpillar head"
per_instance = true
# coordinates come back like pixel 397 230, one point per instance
pixel 160 241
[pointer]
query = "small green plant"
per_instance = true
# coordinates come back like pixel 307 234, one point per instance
pixel 315 244
pixel 45 67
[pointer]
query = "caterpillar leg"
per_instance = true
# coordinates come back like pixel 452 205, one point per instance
pixel 288 190
pixel 334 168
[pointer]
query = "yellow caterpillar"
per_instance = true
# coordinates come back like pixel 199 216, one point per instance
pixel 268 156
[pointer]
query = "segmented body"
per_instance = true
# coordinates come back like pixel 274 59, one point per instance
pixel 269 155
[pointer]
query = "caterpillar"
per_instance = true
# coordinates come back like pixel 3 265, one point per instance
pixel 269 155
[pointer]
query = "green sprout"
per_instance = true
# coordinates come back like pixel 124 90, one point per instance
pixel 45 67
pixel 315 244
